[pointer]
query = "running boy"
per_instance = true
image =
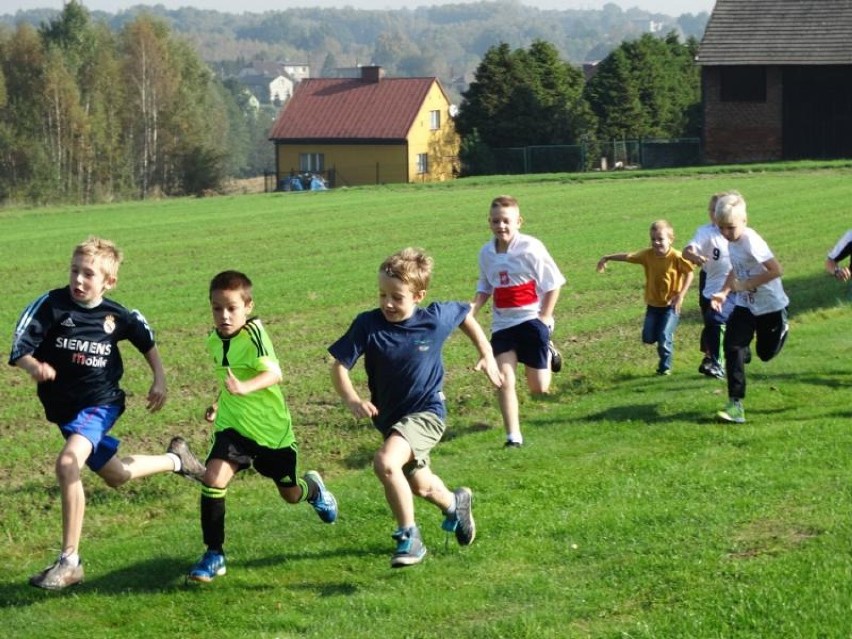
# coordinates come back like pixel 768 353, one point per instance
pixel 761 303
pixel 524 281
pixel 252 425
pixel 709 250
pixel 667 279
pixel 67 341
pixel 402 347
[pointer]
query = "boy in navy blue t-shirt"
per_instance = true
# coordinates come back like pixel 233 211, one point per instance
pixel 401 344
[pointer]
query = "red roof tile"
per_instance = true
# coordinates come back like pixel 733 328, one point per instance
pixel 325 109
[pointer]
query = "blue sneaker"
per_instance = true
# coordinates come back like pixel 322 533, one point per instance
pixel 324 503
pixel 409 547
pixel 461 522
pixel 211 565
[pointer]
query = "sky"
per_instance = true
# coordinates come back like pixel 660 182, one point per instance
pixel 668 7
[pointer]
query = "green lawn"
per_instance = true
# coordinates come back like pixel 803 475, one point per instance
pixel 629 513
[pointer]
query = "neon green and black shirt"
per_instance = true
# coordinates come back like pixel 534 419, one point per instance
pixel 262 415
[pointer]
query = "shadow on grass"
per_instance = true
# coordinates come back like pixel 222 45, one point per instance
pixel 813 292
pixel 154 576
pixel 165 574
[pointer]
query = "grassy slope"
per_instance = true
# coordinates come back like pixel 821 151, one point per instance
pixel 629 513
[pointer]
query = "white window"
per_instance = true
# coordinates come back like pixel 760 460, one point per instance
pixel 434 120
pixel 422 163
pixel 312 162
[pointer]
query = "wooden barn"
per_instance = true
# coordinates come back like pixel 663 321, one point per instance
pixel 777 80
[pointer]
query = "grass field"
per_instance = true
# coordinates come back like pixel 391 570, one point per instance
pixel 629 513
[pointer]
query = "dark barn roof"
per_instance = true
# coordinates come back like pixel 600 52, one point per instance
pixel 778 32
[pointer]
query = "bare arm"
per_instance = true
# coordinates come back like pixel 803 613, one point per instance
pixel 773 270
pixel 479 301
pixel 486 363
pixel 693 256
pixel 677 300
pixel 346 391
pixel 157 392
pixel 613 257
pixel 38 370
pixel 262 380
pixel 548 304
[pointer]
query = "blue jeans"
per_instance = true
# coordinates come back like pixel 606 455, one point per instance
pixel 659 327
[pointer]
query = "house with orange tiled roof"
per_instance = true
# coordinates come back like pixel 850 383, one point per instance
pixel 367 130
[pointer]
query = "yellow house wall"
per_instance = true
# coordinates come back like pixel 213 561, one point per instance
pixel 441 145
pixel 353 165
pixel 356 165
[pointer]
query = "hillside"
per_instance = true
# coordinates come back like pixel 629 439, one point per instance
pixel 446 41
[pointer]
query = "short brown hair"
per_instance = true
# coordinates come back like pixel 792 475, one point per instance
pixel 411 266
pixel 232 281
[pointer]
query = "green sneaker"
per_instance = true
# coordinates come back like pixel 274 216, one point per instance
pixel 733 412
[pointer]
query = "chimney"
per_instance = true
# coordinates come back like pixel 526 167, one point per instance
pixel 372 74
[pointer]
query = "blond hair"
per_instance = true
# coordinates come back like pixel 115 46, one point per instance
pixel 714 199
pixel 663 225
pixel 411 266
pixel 731 208
pixel 106 251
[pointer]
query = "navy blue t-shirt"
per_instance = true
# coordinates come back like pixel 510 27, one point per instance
pixel 405 370
pixel 82 345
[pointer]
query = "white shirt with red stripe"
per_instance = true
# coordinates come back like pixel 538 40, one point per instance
pixel 516 280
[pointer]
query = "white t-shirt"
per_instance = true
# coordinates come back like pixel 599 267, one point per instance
pixel 709 242
pixel 516 279
pixel 747 257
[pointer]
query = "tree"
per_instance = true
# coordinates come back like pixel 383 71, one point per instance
pixel 647 88
pixel 522 98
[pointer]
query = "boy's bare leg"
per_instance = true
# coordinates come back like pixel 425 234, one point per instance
pixel 118 471
pixel 387 464
pixel 69 467
pixel 538 380
pixel 507 395
pixel 426 484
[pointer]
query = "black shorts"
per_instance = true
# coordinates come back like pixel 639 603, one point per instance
pixel 279 464
pixel 529 340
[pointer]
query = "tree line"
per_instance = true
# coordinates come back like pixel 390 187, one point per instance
pixel 92 113
pixel 89 114
pixel 645 88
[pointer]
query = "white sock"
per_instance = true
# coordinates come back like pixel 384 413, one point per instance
pixel 176 461
pixel 72 560
pixel 515 439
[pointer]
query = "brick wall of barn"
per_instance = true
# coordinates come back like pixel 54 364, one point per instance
pixel 742 131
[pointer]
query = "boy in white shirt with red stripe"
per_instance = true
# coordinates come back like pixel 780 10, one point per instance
pixel 521 277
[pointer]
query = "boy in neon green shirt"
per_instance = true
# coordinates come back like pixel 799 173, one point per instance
pixel 252 422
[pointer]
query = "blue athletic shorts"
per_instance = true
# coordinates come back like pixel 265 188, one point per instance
pixel 94 423
pixel 529 340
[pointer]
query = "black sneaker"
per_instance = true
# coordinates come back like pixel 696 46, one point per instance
pixel 555 358
pixel 704 367
pixel 190 467
pixel 409 548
